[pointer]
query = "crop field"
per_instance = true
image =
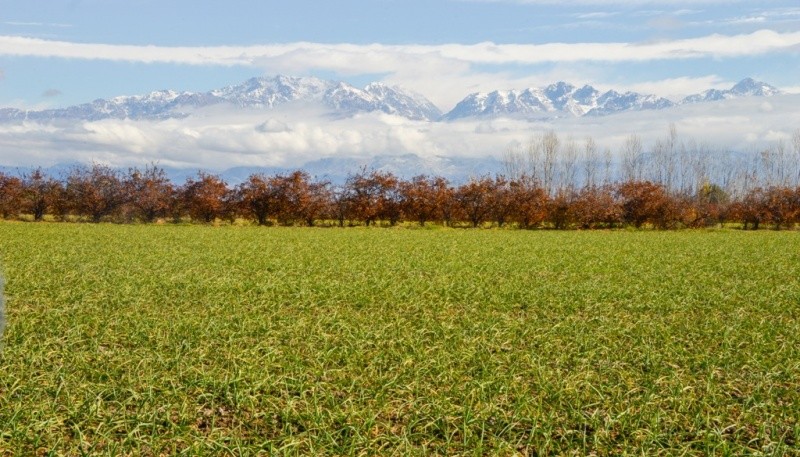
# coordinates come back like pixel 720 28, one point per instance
pixel 200 340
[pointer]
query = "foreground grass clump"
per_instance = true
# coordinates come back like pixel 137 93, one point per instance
pixel 158 340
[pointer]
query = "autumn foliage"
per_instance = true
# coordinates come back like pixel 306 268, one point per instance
pixel 98 193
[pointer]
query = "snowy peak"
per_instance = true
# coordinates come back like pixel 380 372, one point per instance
pixel 255 93
pixel 342 98
pixel 556 100
pixel 565 100
pixel 397 101
pixel 379 97
pixel 271 92
pixel 502 103
pixel 747 87
pixel 613 102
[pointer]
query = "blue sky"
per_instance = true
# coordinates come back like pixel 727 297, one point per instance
pixel 57 53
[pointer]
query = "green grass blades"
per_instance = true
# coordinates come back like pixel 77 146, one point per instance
pixel 194 340
pixel 2 310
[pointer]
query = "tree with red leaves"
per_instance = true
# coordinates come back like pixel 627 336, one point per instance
pixel 645 202
pixel 595 207
pixel 420 199
pixel 474 199
pixel 298 199
pixel 95 191
pixel 257 198
pixel 11 195
pixel 149 192
pixel 204 197
pixel 374 196
pixel 40 193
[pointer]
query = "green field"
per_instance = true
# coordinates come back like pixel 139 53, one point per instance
pixel 160 340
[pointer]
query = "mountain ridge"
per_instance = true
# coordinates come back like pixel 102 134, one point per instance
pixel 563 99
pixel 560 99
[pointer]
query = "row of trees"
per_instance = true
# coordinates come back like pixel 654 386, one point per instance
pixel 99 193
pixel 680 166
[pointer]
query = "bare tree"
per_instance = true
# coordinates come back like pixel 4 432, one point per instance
pixel 513 162
pixel 590 162
pixel 534 160
pixel 663 163
pixel 687 153
pixel 783 159
pixel 608 170
pixel 767 167
pixel 569 158
pixel 550 148
pixel 796 157
pixel 632 159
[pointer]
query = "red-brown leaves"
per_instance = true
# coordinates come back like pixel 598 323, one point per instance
pixel 98 193
pixel 204 198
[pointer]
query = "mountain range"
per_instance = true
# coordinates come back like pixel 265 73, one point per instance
pixel 565 100
pixel 341 99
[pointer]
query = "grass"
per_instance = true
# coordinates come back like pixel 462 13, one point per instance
pixel 161 340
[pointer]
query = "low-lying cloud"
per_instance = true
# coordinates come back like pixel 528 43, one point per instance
pixel 288 137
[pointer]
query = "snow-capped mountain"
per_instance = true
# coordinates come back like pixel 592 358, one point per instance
pixel 255 93
pixel 565 100
pixel 745 88
pixel 614 102
pixel 395 100
pixel 556 100
pixel 154 105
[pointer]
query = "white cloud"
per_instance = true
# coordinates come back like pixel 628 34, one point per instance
pixel 597 15
pixel 419 67
pixel 221 139
pixel 373 58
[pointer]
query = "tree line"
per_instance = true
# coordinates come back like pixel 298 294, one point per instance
pixel 554 183
pixel 96 193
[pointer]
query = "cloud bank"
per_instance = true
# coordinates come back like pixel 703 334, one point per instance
pixel 222 138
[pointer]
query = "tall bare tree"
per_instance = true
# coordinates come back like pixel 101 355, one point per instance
pixel 550 151
pixel 632 159
pixel 590 162
pixel 569 170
